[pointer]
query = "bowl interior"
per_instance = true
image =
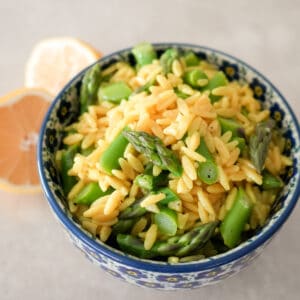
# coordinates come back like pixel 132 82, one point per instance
pixel 65 110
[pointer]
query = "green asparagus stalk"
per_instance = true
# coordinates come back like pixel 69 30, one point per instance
pixel 90 193
pixel 196 238
pixel 235 220
pixel 123 226
pixel 67 161
pixel 114 92
pixel 203 150
pixel 133 211
pixel 180 247
pixel 89 88
pixel 149 182
pixel 109 159
pixel 170 196
pixel 154 149
pixel 259 143
pixel 270 181
pixel 133 245
pixel 145 181
pixel 166 221
pixel 207 171
pixel 219 79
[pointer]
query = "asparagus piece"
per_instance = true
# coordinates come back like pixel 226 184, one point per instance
pixel 114 92
pixel 133 211
pixel 149 182
pixel 192 77
pixel 88 151
pixel 259 143
pixel 236 219
pixel 145 181
pixel 196 238
pixel 270 181
pixel 123 226
pixel 109 159
pixel 90 193
pixel 180 247
pixel 170 196
pixel 166 221
pixel 144 54
pixel 191 258
pixel 218 80
pixel 191 59
pixel 67 161
pixel 231 125
pixel 89 88
pixel 167 58
pixel 203 150
pixel 154 149
pixel 241 142
pixel 208 172
pixel 133 245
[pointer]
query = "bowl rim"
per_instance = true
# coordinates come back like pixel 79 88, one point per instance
pixel 151 265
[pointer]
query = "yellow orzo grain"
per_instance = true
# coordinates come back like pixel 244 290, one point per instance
pixel 186 89
pixel 190 206
pixel 221 149
pixel 126 203
pixel 72 206
pixel 176 205
pixel 105 232
pixel 90 226
pixel 152 199
pixel 73 139
pixel 126 168
pixel 177 68
pixel 150 237
pixel 97 207
pixel 88 140
pixel 182 220
pixel 215 188
pixel 203 214
pixel 76 189
pixel 187 181
pixel 139 226
pixel 223 179
pixel 230 198
pixel 163 82
pixel 203 199
pixel 187 197
pixel 119 174
pixel 113 202
pixel 156 170
pixel 193 141
pixel 252 174
pixel 188 167
pixel 106 218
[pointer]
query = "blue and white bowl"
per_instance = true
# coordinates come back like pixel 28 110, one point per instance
pixel 162 275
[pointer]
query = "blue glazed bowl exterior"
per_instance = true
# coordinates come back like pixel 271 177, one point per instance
pixel 161 275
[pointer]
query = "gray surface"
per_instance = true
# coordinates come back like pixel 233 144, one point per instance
pixel 36 260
